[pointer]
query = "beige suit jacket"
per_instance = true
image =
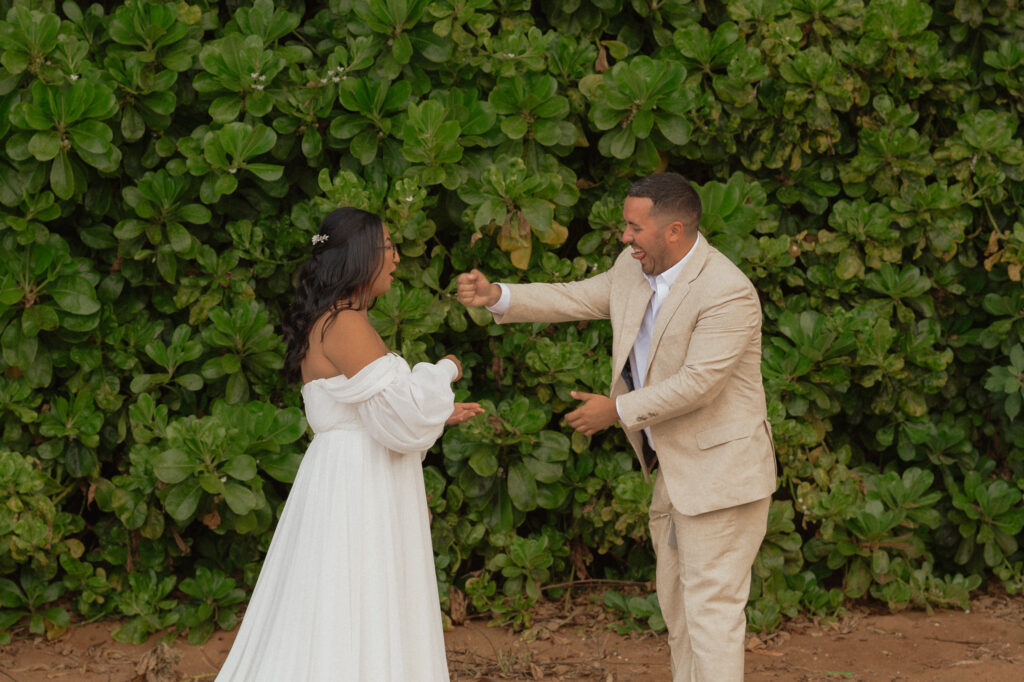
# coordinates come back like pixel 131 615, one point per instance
pixel 703 397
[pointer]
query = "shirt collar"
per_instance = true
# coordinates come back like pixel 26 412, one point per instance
pixel 669 277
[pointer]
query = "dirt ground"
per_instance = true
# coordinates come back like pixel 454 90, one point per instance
pixel 984 644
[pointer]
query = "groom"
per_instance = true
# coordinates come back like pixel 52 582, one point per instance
pixel 687 389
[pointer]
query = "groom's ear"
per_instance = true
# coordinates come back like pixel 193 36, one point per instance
pixel 675 231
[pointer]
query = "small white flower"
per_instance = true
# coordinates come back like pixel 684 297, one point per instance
pixel 319 239
pixel 74 76
pixel 409 198
pixel 232 170
pixel 262 78
pixel 254 75
pixel 510 55
pixel 257 87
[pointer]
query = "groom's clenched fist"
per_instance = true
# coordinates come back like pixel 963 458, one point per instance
pixel 474 289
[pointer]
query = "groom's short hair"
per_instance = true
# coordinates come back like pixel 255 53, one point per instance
pixel 672 196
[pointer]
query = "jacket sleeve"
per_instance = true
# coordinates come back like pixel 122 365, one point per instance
pixel 587 299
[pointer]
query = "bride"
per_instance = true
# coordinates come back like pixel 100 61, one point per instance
pixel 348 590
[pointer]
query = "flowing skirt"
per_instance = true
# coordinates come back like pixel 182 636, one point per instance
pixel 347 591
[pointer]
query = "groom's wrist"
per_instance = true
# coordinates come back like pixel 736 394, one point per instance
pixel 501 303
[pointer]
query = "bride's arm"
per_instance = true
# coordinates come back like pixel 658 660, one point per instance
pixel 409 413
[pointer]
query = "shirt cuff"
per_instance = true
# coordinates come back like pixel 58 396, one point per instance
pixel 453 369
pixel 504 302
pixel 618 411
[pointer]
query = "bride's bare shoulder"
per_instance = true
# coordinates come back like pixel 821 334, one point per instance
pixel 349 341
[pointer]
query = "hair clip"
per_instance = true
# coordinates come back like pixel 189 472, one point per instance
pixel 319 239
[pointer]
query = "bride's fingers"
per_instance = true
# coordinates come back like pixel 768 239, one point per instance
pixel 463 412
pixel 466 412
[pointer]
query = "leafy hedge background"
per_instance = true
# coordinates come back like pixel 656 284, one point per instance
pixel 165 164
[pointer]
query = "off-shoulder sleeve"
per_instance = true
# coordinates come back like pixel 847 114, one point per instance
pixel 409 413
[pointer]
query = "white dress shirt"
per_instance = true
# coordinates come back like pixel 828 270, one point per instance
pixel 638 357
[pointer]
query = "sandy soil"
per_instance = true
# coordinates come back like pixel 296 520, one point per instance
pixel 984 644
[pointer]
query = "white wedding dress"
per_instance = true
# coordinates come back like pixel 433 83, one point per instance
pixel 347 591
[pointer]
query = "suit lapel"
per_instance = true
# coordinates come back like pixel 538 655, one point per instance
pixel 676 295
pixel 637 297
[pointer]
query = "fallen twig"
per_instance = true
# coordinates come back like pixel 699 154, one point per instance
pixel 597 581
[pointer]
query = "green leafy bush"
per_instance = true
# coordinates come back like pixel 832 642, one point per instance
pixel 165 164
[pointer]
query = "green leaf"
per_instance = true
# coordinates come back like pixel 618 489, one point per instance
pixel 182 499
pixel 551 446
pixel 38 318
pixel 266 171
pixel 620 143
pixel 237 388
pixel 74 294
pixel 676 129
pixel 543 472
pixel 401 49
pixel 281 466
pixel 241 499
pixel 484 461
pixel 892 20
pixel 179 238
pixel 173 466
pixel 133 126
pixel 905 283
pixel 45 145
pixel 312 143
pixel 522 488
pixel 226 108
pixel 81 462
pixel 224 183
pixel 1017 358
pixel 364 146
pixel 91 136
pixel 197 214
pixel 190 382
pixel 515 127
pixel 240 467
pixel 849 265
pixel 539 214
pixel 62 176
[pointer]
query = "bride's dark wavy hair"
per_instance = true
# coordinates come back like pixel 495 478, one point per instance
pixel 336 277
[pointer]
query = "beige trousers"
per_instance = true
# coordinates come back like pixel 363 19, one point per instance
pixel 703 582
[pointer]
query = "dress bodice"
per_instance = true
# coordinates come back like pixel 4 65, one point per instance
pixel 324 411
pixel 402 408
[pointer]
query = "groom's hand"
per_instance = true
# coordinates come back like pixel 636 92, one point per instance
pixel 595 414
pixel 474 290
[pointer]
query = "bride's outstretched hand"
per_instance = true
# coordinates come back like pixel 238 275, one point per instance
pixel 463 412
